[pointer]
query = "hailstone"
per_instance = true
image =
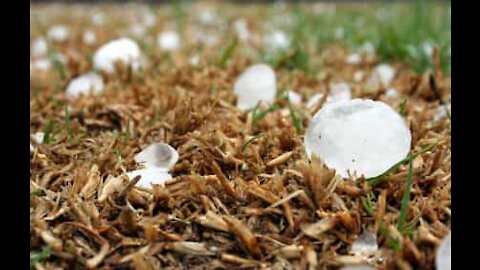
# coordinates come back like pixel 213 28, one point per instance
pixel 366 243
pixel 363 137
pixel 158 155
pixel 353 59
pixel 241 29
pixel 444 254
pixel 256 83
pixel 123 50
pixel 150 176
pixel 58 33
pixel 294 97
pixel 169 41
pixel 39 47
pixel 41 64
pixel 385 73
pixel 89 37
pixel 84 85
pixel 276 40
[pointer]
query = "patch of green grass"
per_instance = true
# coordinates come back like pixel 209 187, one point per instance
pixel 227 52
pixel 259 115
pixel 406 198
pixel 246 143
pixel 368 204
pixel 402 108
pixel 38 256
pixel 377 179
pixel 67 123
pixel 293 114
pixel 37 192
pixel 49 131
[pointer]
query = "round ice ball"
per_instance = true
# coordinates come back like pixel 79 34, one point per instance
pixel 363 137
pixel 169 41
pixel 256 83
pixel 444 254
pixel 123 50
pixel 84 85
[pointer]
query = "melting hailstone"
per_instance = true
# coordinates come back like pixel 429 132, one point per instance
pixel 39 47
pixel 84 85
pixel 385 73
pixel 276 40
pixel 169 41
pixel 363 137
pixel 353 59
pixel 365 244
pixel 158 155
pixel 443 260
pixel 150 176
pixel 256 83
pixel 123 50
pixel 294 97
pixel 89 37
pixel 41 64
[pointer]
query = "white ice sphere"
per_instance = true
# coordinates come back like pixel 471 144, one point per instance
pixel 158 155
pixel 39 47
pixel 339 33
pixel 150 176
pixel 149 19
pixel 353 59
pixel 137 30
pixel 98 19
pixel 358 76
pixel 123 50
pixel 428 48
pixel 84 85
pixel 385 73
pixel 391 93
pixel 441 112
pixel 339 92
pixel 194 59
pixel 443 260
pixel 41 64
pixel 32 148
pixel 368 47
pixel 256 83
pixel 169 41
pixel 89 37
pixel 364 137
pixel 365 244
pixel 294 97
pixel 58 33
pixel 241 29
pixel 276 40
pixel 38 137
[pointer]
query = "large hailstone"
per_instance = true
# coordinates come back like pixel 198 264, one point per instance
pixel 89 83
pixel 158 159
pixel 443 260
pixel 169 41
pixel 256 83
pixel 122 50
pixel 365 137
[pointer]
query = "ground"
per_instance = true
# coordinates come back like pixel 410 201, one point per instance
pixel 243 193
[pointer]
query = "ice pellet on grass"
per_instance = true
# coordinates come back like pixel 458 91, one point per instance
pixel 442 112
pixel 86 84
pixel 89 37
pixel 158 155
pixel 123 50
pixel 360 136
pixel 443 260
pixel 58 33
pixel 169 41
pixel 385 73
pixel 41 64
pixel 241 29
pixel 256 83
pixel 276 40
pixel 150 176
pixel 365 244
pixel 353 59
pixel 391 93
pixel 294 97
pixel 39 47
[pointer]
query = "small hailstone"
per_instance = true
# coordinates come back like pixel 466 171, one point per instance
pixel 276 40
pixel 353 59
pixel 427 48
pixel 364 137
pixel 339 92
pixel 137 30
pixel 158 155
pixel 61 58
pixel 58 33
pixel 358 76
pixel 294 97
pixel 89 37
pixel 368 47
pixel 441 112
pixel 150 176
pixel 443 260
pixel 194 60
pixel 38 137
pixel 169 41
pixel 385 72
pixel 98 19
pixel 149 19
pixel 39 47
pixel 241 29
pixel 41 64
pixel 256 83
pixel 207 17
pixel 84 84
pixel 391 93
pixel 365 244
pixel 124 50
pixel 31 148
pixel 314 99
